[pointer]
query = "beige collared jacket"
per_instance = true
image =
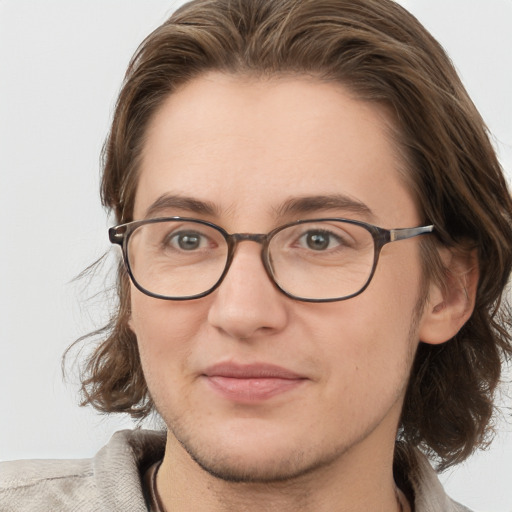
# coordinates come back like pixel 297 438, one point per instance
pixel 111 481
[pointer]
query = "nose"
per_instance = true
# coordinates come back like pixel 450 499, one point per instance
pixel 247 304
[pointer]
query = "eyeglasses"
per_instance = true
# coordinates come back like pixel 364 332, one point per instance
pixel 320 260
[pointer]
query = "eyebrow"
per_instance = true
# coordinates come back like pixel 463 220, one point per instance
pixel 174 201
pixel 311 204
pixel 293 206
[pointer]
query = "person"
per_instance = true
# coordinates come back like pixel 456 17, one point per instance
pixel 316 238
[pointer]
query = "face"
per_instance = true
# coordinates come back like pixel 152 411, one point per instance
pixel 254 385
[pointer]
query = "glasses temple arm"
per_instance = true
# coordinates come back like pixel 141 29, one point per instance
pixel 115 236
pixel 404 233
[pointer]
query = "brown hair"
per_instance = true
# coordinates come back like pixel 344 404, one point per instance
pixel 382 54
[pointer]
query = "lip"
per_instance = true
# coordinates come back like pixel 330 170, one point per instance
pixel 252 382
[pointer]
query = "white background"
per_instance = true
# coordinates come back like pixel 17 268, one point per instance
pixel 61 65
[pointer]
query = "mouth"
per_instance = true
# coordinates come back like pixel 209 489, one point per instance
pixel 251 383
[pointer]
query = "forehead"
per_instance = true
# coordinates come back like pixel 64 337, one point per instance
pixel 249 146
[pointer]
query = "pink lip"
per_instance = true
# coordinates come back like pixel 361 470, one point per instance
pixel 251 383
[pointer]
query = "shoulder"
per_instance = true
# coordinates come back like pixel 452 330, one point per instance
pixel 457 507
pixel 109 481
pixel 45 484
pixel 429 493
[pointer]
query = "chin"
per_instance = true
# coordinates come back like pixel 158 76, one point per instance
pixel 248 469
pixel 254 459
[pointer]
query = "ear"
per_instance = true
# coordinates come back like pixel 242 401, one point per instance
pixel 451 303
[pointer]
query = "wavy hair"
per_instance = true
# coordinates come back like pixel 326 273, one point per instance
pixel 382 54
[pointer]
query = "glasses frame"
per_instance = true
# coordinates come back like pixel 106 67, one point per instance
pixel 120 235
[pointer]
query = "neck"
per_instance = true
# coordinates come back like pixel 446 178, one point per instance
pixel 351 483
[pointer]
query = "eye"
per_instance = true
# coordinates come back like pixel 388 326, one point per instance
pixel 319 240
pixel 187 240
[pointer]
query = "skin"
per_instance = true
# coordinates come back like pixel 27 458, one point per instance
pixel 247 147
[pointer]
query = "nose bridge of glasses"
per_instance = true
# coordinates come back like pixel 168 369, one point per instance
pixel 248 237
pixel 258 238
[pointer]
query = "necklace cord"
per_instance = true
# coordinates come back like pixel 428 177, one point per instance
pixel 157 505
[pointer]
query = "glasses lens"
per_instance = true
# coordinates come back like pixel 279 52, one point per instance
pixel 322 260
pixel 177 258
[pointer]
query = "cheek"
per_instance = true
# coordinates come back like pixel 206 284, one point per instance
pixel 393 300
pixel 165 332
pixel 371 338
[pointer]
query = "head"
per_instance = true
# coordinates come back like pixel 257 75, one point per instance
pixel 382 62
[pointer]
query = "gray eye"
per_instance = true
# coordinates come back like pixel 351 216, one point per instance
pixel 320 240
pixel 187 241
pixel 317 241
